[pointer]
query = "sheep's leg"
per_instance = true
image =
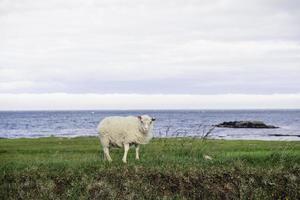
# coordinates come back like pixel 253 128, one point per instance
pixel 137 148
pixel 126 148
pixel 105 144
pixel 106 153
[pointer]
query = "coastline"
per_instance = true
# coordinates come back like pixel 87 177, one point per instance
pixel 275 138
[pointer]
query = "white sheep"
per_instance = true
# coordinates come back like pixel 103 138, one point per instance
pixel 123 132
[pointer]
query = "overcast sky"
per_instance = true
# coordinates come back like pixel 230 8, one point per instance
pixel 194 51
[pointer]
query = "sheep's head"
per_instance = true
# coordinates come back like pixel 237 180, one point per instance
pixel 146 123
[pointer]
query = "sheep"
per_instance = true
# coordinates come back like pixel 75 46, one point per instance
pixel 123 132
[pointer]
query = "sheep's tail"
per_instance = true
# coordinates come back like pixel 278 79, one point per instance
pixel 99 129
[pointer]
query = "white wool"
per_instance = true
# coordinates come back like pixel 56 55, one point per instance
pixel 117 131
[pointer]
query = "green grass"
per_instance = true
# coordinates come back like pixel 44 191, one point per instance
pixel 61 168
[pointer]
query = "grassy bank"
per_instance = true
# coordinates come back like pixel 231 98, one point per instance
pixel 51 168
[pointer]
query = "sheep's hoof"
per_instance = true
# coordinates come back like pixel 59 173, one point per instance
pixel 137 158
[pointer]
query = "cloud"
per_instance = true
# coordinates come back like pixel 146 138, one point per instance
pixel 64 101
pixel 167 47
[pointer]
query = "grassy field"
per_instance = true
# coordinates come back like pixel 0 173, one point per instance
pixel 57 168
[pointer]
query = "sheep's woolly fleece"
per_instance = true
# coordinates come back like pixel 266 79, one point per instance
pixel 121 130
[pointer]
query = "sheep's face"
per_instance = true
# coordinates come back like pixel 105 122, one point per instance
pixel 146 123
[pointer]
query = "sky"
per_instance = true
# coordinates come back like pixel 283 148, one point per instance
pixel 149 54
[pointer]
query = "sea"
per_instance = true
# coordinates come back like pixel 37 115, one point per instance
pixel 169 123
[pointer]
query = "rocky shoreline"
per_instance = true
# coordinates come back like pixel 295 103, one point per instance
pixel 245 124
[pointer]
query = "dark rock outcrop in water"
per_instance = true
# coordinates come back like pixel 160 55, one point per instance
pixel 244 124
pixel 283 135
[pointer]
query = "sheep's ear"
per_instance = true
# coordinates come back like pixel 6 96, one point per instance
pixel 153 119
pixel 140 117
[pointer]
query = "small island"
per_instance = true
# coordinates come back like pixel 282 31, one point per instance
pixel 245 124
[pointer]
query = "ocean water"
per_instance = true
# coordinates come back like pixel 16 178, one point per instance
pixel 170 123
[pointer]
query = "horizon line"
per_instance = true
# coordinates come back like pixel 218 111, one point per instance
pixel 154 109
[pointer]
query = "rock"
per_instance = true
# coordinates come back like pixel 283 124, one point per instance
pixel 244 124
pixel 283 135
pixel 207 157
